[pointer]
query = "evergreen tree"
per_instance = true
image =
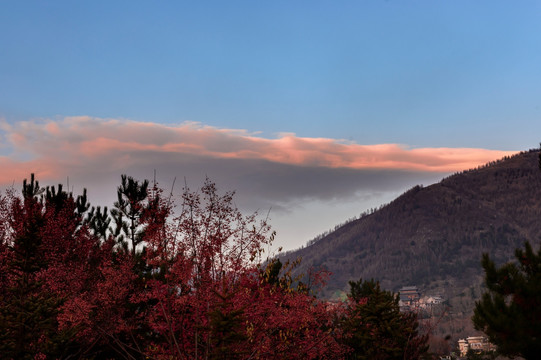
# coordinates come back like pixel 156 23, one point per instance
pixel 129 208
pixel 374 327
pixel 510 311
pixel 226 328
pixel 99 221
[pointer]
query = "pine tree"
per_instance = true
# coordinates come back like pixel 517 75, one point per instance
pixel 374 327
pixel 99 221
pixel 129 208
pixel 510 311
pixel 226 328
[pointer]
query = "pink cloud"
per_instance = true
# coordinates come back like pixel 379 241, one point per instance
pixel 50 145
pixel 14 171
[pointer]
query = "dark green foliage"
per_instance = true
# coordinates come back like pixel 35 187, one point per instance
pixel 271 273
pixel 472 355
pixel 32 190
pixel 99 221
pixel 129 207
pixel 277 274
pixel 226 328
pixel 374 327
pixel 28 324
pixel 510 311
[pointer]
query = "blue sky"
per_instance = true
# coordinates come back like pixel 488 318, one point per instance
pixel 418 74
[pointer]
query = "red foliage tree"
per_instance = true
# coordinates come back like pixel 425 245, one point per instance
pixel 189 283
pixel 211 298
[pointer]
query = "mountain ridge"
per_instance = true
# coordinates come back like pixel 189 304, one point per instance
pixel 434 236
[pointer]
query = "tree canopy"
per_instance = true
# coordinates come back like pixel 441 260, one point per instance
pixel 148 280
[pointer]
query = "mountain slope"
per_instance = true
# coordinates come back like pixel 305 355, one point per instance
pixel 434 237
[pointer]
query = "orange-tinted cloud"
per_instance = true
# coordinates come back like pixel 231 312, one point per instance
pixel 47 146
pixel 299 178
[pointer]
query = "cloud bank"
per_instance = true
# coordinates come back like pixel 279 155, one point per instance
pixel 282 173
pixel 85 147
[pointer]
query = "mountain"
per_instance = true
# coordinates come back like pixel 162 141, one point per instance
pixel 433 237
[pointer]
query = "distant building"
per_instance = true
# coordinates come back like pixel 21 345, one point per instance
pixel 409 298
pixel 475 343
pixel 463 347
pixel 434 300
pixel 409 294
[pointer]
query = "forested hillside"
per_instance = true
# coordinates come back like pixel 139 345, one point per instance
pixel 434 236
